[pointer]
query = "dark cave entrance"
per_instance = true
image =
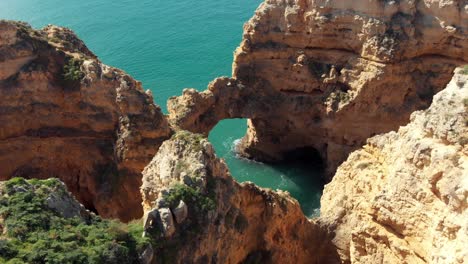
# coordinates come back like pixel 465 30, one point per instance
pixel 90 206
pixel 305 168
pixel 306 157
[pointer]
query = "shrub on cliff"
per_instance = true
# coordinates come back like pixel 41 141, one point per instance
pixel 35 233
pixel 72 70
pixel 191 195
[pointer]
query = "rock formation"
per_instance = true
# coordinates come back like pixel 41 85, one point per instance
pixel 403 198
pixel 227 222
pixel 65 114
pixel 314 74
pixel 330 74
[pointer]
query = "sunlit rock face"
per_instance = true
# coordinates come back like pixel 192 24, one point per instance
pixel 403 197
pixel 65 114
pixel 225 222
pixel 330 74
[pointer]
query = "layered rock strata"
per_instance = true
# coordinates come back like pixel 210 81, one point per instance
pixel 403 197
pixel 226 222
pixel 330 74
pixel 65 114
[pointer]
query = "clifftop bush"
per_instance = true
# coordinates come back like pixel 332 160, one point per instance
pixel 72 70
pixel 35 233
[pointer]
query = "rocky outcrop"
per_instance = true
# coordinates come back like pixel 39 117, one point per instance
pixel 403 197
pixel 41 222
pixel 330 74
pixel 65 114
pixel 54 194
pixel 227 222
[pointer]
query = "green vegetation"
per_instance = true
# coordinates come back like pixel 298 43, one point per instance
pixel 55 39
pixel 72 70
pixel 24 29
pixel 339 97
pixel 192 196
pixel 181 166
pixel 194 140
pixel 199 204
pixel 37 234
pixel 465 69
pixel 318 68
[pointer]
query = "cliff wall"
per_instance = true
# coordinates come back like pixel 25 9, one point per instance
pixel 204 216
pixel 403 197
pixel 64 114
pixel 330 74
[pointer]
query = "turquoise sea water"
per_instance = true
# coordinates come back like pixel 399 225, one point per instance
pixel 171 45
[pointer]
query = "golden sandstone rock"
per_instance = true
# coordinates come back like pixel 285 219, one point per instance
pixel 403 197
pixel 229 222
pixel 330 74
pixel 325 74
pixel 95 128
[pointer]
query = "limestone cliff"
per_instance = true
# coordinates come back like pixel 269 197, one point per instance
pixel 330 74
pixel 403 197
pixel 325 74
pixel 65 114
pixel 205 216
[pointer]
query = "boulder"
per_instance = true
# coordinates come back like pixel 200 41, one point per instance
pixel 180 212
pixel 167 222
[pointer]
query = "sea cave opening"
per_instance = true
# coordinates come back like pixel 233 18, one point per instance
pixel 300 173
pixel 304 156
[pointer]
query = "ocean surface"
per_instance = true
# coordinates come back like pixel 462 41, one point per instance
pixel 169 46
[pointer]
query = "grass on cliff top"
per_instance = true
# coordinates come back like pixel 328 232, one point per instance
pixel 189 136
pixel 37 234
pixel 192 139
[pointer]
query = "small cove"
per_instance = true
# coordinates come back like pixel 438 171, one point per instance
pixel 300 179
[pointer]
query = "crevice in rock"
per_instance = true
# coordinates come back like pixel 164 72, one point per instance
pixel 389 228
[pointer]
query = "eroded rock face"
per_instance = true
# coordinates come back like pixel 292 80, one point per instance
pixel 330 74
pixel 403 197
pixel 227 222
pixel 65 114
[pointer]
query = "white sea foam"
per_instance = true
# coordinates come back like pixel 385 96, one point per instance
pixel 315 213
pixel 233 149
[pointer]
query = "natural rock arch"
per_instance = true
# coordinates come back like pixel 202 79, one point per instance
pixel 313 75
